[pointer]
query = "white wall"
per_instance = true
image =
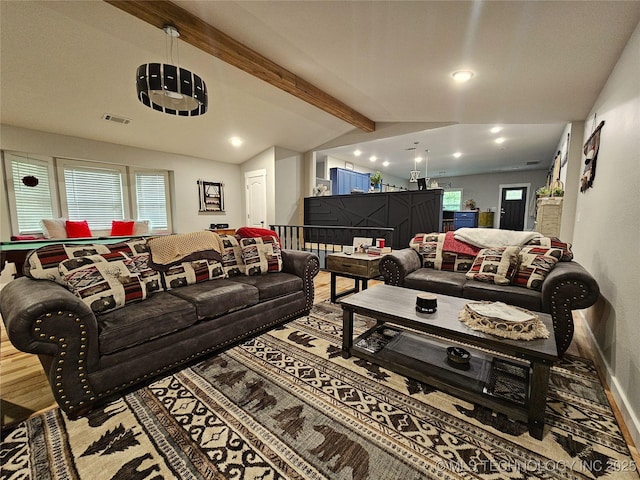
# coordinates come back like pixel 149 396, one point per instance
pixel 289 187
pixel 485 189
pixel 607 231
pixel 186 172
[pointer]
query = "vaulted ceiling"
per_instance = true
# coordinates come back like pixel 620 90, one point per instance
pixel 537 66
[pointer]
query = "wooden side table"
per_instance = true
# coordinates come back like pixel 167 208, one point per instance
pixel 359 266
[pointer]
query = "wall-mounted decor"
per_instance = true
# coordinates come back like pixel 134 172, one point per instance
pixel 591 148
pixel 211 196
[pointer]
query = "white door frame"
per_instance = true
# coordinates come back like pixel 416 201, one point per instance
pixel 526 205
pixel 262 172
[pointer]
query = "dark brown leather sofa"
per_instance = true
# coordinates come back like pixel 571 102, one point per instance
pixel 567 287
pixel 88 357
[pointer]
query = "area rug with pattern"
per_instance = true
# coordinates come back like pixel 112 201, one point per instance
pixel 286 405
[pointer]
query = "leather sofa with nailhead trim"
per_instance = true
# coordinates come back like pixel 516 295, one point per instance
pixel 567 287
pixel 88 357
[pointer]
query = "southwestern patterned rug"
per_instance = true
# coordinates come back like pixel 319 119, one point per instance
pixel 287 405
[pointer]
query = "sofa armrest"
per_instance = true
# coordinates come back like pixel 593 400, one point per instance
pixel 396 265
pixel 305 265
pixel 567 287
pixel 44 318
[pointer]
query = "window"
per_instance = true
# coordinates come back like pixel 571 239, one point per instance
pixel 151 202
pixel 83 190
pixel 452 199
pixel 93 193
pixel 31 203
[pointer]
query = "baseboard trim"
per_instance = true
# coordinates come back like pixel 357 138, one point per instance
pixel 622 405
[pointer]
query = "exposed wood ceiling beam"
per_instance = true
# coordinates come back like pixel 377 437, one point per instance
pixel 200 34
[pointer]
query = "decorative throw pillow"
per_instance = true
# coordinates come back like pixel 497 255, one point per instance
pixel 453 262
pixel 188 273
pixel 130 247
pixel 554 242
pixel 232 261
pixel 140 227
pixel 78 229
pixel 261 255
pixel 535 264
pixel 140 266
pixel 104 284
pixel 254 232
pixel 42 264
pixel 54 227
pixel 426 244
pixel 495 265
pixel 121 228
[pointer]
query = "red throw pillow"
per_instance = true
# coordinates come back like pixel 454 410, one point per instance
pixel 78 229
pixel 121 228
pixel 255 232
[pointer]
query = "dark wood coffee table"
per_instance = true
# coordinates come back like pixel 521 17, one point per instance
pixel 508 376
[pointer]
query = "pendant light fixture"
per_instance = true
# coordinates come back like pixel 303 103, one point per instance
pixel 413 174
pixel 170 88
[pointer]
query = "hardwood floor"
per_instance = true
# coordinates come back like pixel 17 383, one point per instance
pixel 25 391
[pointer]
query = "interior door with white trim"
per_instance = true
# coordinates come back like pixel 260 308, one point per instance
pixel 256 198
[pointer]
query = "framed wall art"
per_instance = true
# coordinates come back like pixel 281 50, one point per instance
pixel 211 196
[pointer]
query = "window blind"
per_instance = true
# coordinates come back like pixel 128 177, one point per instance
pixel 95 195
pixel 32 203
pixel 151 198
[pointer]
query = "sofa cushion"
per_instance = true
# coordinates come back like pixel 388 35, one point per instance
pixel 103 283
pixel 426 244
pixel 261 255
pixel 217 297
pixel 42 263
pixel 121 228
pixel 534 265
pixel 513 295
pixel 139 322
pixel 54 227
pixel 78 229
pixel 495 265
pixel 150 277
pixel 232 262
pixel 554 242
pixel 274 285
pixel 447 283
pixel 190 273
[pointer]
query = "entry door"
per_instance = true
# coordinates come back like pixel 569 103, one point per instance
pixel 513 208
pixel 256 198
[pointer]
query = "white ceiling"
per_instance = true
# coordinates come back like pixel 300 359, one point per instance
pixel 538 65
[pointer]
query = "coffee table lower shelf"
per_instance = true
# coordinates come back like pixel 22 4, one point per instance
pixel 492 381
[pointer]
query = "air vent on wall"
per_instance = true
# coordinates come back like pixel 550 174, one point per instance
pixel 113 118
pixel 535 162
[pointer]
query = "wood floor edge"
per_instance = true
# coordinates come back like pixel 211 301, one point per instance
pixel 622 414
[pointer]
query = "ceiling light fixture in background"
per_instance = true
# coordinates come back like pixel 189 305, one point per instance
pixel 496 129
pixel 357 153
pixel 457 154
pixel 499 140
pixel 462 76
pixel 236 141
pixel 413 174
pixel 385 164
pixel 373 158
pixel 169 88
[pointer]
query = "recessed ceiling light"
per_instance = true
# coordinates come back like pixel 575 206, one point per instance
pixel 499 140
pixel 462 76
pixel 236 141
pixel 357 153
pixel 418 159
pixel 373 158
pixel 457 154
pixel 496 129
pixel 385 164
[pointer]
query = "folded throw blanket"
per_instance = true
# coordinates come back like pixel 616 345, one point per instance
pixel 456 246
pixel 490 237
pixel 185 247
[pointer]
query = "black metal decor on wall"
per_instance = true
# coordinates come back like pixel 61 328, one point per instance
pixel 407 212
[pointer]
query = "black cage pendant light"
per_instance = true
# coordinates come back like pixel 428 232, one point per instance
pixel 169 88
